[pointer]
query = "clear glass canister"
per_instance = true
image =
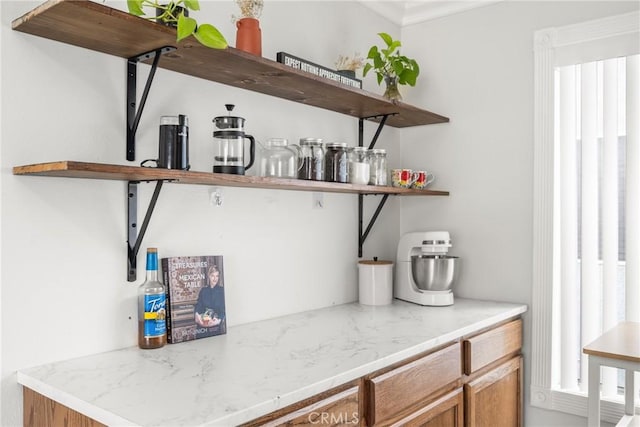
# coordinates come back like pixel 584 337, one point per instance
pixel 336 162
pixel 312 159
pixel 279 159
pixel 359 165
pixel 378 171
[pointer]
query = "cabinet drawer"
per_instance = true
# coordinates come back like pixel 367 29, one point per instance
pixel 400 388
pixel 487 347
pixel 339 409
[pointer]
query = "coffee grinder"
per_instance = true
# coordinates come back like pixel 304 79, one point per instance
pixel 424 270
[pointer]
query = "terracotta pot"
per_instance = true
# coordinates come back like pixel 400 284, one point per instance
pixel 249 36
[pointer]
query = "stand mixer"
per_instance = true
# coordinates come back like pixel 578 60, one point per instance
pixel 424 271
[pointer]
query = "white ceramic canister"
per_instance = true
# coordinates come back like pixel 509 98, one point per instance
pixel 375 282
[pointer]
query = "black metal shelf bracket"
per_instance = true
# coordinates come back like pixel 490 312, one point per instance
pixel 362 235
pixel 133 115
pixel 135 234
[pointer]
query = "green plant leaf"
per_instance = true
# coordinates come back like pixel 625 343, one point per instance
pixel 192 4
pixel 394 45
pixel 366 69
pixel 415 67
pixel 379 78
pixel 373 52
pixel 378 63
pixel 186 27
pixel 398 67
pixel 387 38
pixel 209 36
pixel 135 7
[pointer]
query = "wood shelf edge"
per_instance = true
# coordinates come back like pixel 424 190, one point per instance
pixel 125 35
pixel 74 169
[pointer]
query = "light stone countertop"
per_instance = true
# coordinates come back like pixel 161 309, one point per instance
pixel 255 368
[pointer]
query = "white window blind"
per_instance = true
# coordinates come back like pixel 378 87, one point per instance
pixel 597 212
pixel 586 219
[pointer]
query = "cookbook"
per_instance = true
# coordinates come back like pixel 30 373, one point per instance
pixel 194 287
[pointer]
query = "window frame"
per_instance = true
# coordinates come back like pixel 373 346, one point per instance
pixel 546 44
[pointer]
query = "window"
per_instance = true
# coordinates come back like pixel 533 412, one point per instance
pixel 586 274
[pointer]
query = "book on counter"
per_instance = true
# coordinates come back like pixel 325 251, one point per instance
pixel 195 297
pixel 318 70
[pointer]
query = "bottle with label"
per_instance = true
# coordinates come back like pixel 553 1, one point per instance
pixel 152 332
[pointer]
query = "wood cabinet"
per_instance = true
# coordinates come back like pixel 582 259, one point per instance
pixel 336 407
pixel 494 399
pixel 391 393
pixel 40 411
pixel 475 382
pixel 446 411
pixel 493 382
pixel 485 348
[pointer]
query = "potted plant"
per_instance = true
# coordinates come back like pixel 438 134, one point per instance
pixel 249 35
pixel 175 13
pixel 348 64
pixel 391 67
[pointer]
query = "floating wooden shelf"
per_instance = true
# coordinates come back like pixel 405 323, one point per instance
pixel 71 169
pixel 101 28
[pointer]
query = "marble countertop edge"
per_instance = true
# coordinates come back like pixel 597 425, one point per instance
pixel 37 378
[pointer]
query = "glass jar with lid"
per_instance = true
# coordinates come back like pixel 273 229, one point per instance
pixel 312 159
pixel 378 172
pixel 336 167
pixel 359 165
pixel 279 159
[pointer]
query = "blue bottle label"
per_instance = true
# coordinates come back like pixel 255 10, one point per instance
pixel 154 315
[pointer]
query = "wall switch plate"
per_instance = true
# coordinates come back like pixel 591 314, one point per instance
pixel 317 200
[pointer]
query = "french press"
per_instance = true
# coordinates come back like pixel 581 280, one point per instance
pixel 228 140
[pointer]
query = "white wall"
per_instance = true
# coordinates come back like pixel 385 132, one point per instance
pixel 478 70
pixel 63 277
pixel 64 288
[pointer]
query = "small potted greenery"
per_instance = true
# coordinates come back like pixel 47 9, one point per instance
pixel 175 13
pixel 391 67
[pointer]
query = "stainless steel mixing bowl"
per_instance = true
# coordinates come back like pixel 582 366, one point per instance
pixel 434 272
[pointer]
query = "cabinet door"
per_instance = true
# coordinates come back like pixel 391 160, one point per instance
pixel 495 398
pixel 447 411
pixel 340 409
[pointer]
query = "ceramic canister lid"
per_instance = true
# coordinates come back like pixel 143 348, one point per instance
pixel 374 261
